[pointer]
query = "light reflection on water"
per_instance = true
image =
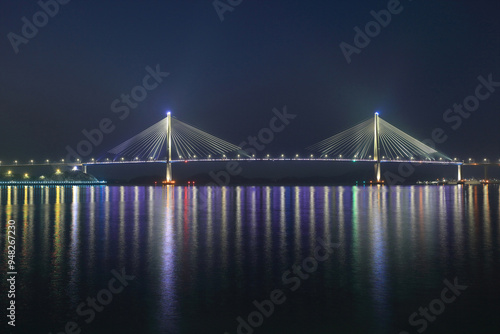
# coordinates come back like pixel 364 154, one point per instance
pixel 202 255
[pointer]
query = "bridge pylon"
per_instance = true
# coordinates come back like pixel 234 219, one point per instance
pixel 168 176
pixel 376 148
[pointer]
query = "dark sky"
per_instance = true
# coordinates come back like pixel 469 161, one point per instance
pixel 226 76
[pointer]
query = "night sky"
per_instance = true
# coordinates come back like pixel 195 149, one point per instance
pixel 225 77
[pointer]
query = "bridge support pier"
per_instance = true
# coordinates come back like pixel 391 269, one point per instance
pixel 378 176
pixel 459 175
pixel 168 176
pixel 485 172
pixel 84 168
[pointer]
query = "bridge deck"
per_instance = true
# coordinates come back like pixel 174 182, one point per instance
pixel 92 163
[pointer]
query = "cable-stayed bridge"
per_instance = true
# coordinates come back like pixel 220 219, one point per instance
pixel 170 141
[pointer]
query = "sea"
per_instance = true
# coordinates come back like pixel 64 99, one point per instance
pixel 250 259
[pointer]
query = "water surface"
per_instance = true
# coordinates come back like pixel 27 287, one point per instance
pixel 202 255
